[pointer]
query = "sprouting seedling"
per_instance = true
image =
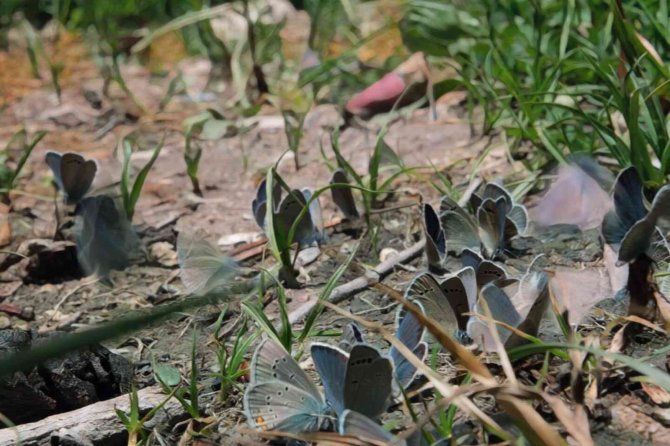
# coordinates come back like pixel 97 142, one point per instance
pixel 175 87
pixel 35 50
pixel 116 76
pixel 133 421
pixel 369 186
pixel 293 127
pixel 192 154
pixel 497 219
pixel 130 195
pixel 9 176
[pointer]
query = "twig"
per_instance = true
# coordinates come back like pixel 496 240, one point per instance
pixel 375 275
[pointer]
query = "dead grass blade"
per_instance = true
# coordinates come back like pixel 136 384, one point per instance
pixel 534 427
pixel 575 420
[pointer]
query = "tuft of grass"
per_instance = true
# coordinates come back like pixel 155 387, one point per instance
pixel 131 194
pixel 20 143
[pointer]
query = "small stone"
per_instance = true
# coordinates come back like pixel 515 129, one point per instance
pixel 5 322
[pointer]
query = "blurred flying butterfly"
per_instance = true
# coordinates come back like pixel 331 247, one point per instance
pixel 447 301
pixel 72 174
pixel 105 239
pixel 485 270
pixel 629 227
pixel 360 381
pixel 202 267
pixel 281 396
pixel 342 196
pixel 435 247
pixel 520 303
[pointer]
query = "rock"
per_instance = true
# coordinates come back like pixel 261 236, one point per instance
pixel 61 384
pixel 5 322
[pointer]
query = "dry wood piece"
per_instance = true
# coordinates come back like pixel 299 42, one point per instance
pixel 96 424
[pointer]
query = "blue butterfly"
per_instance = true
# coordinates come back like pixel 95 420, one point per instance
pixel 281 396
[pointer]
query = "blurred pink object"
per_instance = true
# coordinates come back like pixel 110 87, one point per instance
pixel 574 198
pixel 377 97
pixel 412 74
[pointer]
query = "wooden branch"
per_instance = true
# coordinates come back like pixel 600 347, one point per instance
pixel 374 276
pixel 95 424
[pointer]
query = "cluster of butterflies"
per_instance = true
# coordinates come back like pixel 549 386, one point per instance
pixel 104 236
pixel 494 221
pixel 287 205
pixel 360 383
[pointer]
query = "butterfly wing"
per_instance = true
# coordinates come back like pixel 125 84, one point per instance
pixel 76 175
pixel 277 405
pixel 271 362
pixel 351 335
pixel 53 160
pixel 202 267
pixel 628 199
pixel 409 331
pixel 342 196
pixel 461 293
pixel 460 232
pixel 502 309
pixel 435 244
pixel 354 424
pixel 331 364
pixel 368 381
pixel 315 213
pixel 289 210
pixel 425 290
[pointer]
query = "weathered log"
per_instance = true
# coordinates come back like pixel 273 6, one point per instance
pixel 93 425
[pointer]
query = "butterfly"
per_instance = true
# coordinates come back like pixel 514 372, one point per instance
pixel 485 270
pixel 286 211
pixel 360 380
pixel 72 173
pixel 104 237
pixel 202 267
pixel 281 396
pixel 519 303
pixel 497 219
pixel 409 331
pixel 629 226
pixel 342 196
pixel 435 247
pixel 446 301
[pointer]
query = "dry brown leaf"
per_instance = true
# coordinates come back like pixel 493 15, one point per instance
pixel 630 413
pixel 663 308
pixel 657 394
pixel 535 428
pixel 5 227
pixel 575 420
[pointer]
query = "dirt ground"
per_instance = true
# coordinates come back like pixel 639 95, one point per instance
pixel 230 170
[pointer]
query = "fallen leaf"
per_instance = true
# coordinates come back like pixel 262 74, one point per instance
pixel 657 394
pixel 5 227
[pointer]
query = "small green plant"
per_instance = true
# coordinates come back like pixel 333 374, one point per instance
pixel 35 51
pixel 231 361
pixel 134 422
pixel 19 142
pixel 293 127
pixel 131 194
pixel 186 395
pixel 283 334
pixel 372 185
